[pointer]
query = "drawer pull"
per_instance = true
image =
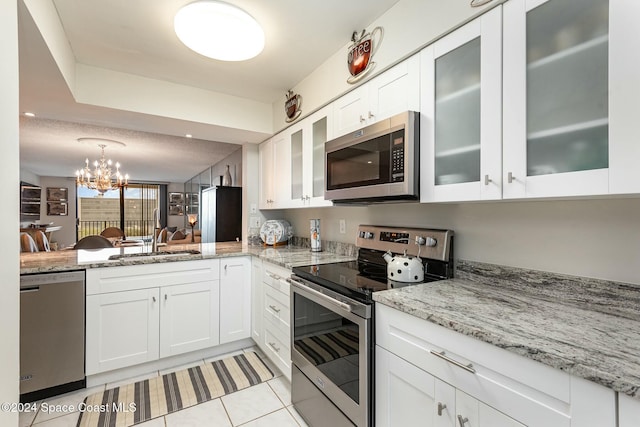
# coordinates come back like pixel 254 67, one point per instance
pixel 462 421
pixel 273 346
pixel 274 308
pixel 443 356
pixel 441 407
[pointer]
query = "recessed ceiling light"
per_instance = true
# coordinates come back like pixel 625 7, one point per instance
pixel 219 30
pixel 28 114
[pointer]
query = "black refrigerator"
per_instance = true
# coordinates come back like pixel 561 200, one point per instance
pixel 221 219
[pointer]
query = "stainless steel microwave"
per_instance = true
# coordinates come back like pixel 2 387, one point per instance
pixel 378 163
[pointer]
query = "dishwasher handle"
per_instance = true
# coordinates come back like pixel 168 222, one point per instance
pixel 28 289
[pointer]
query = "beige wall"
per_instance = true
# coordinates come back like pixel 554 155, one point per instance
pixel 9 233
pixel 408 26
pixel 592 238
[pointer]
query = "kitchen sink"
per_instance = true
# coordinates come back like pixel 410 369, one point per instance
pixel 151 255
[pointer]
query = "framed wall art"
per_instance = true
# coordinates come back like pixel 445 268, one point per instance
pixel 176 209
pixel 176 198
pixel 57 208
pixel 55 194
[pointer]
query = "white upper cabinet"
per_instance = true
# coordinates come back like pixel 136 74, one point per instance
pixel 569 83
pixel 394 91
pixel 265 154
pixel 275 174
pixel 307 139
pixel 461 120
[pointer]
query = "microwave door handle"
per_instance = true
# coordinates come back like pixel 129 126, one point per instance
pixel 320 295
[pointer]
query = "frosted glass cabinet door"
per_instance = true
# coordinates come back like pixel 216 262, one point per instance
pixel 317 132
pixel 556 97
pixel 296 194
pixel 461 106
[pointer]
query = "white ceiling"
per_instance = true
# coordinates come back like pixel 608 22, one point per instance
pixel 136 37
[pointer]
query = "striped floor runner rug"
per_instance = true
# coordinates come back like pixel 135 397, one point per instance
pixel 327 347
pixel 141 401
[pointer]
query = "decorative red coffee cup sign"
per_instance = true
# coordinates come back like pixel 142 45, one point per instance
pixel 361 51
pixel 292 106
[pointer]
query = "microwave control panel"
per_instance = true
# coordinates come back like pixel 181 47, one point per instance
pixel 397 159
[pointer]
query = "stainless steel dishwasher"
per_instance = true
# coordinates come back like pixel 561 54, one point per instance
pixel 52 334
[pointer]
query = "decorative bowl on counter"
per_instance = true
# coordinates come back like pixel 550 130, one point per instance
pixel 275 231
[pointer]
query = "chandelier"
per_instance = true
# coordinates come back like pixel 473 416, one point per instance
pixel 102 178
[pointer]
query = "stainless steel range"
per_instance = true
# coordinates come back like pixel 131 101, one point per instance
pixel 332 319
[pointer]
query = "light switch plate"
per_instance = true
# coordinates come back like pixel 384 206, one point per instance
pixel 253 208
pixel 254 222
pixel 343 226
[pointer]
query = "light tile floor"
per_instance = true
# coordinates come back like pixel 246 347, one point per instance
pixel 263 405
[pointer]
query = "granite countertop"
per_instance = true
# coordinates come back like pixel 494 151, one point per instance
pixel 65 260
pixel 586 327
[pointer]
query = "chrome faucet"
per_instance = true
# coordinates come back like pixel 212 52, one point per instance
pixel 156 229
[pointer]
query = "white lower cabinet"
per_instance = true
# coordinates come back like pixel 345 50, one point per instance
pixel 628 411
pixel 408 396
pixel 257 321
pixel 404 393
pixel 189 317
pixel 275 341
pixel 428 375
pixel 235 299
pixel 140 313
pixel 123 329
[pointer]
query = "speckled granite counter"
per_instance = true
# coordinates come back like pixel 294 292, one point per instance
pixel 41 262
pixel 588 328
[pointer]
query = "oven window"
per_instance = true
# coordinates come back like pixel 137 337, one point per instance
pixel 329 342
pixel 367 163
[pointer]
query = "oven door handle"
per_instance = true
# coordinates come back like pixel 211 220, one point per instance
pixel 320 295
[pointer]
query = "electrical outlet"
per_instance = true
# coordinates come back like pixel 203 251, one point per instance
pixel 343 226
pixel 253 208
pixel 254 222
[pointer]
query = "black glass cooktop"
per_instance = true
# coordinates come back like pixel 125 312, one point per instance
pixel 350 278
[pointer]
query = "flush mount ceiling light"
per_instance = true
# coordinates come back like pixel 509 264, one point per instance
pixel 219 30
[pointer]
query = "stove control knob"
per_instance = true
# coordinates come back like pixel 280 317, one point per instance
pixel 368 235
pixel 361 234
pixel 430 241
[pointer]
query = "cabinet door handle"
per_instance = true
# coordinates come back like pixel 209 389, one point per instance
pixel 153 298
pixel 478 3
pixel 487 180
pixel 462 421
pixel 443 356
pixel 362 119
pixel 441 407
pixel 273 346
pixel 274 308
pixel 165 297
pixel 371 115
pixel 510 178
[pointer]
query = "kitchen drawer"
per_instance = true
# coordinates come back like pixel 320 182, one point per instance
pixel 276 309
pixel 276 277
pixel 145 276
pixel 528 391
pixel 277 349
